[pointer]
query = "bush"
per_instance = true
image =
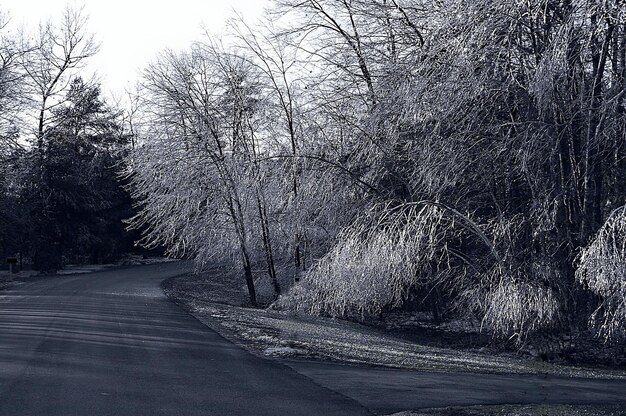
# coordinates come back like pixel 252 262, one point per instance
pixel 392 252
pixel 375 263
pixel 602 268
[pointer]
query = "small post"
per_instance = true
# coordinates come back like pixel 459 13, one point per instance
pixel 11 261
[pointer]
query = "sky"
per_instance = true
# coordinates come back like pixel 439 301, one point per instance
pixel 132 32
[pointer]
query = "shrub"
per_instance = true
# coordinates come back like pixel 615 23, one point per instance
pixel 602 268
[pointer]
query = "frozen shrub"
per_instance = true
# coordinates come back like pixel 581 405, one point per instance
pixel 514 309
pixel 514 296
pixel 602 268
pixel 374 264
pixel 385 255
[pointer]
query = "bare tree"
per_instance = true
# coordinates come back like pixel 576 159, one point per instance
pixel 56 52
pixel 13 98
pixel 202 129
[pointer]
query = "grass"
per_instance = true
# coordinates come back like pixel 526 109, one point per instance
pixel 5 280
pixel 215 299
pixel 523 410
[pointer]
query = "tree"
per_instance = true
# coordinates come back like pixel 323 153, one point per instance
pixel 202 133
pixel 13 102
pixel 52 58
pixel 85 203
pixel 12 96
pixel 504 117
pixel 56 52
pixel 472 149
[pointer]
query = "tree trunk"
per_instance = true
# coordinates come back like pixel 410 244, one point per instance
pixel 247 267
pixel 267 245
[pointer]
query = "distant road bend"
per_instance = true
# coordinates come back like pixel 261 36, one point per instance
pixel 110 343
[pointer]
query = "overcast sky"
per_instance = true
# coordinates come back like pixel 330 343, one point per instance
pixel 131 32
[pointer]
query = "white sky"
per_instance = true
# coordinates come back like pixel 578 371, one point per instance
pixel 132 32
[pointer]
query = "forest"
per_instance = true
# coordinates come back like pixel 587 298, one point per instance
pixel 60 147
pixel 464 158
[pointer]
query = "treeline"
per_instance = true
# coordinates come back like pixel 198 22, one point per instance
pixel 466 157
pixel 61 149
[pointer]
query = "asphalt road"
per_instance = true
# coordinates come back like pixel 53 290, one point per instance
pixel 110 343
pixel 386 391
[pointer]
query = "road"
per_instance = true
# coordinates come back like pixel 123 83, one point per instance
pixel 110 343
pixel 386 391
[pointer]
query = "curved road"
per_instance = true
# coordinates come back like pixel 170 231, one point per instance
pixel 110 343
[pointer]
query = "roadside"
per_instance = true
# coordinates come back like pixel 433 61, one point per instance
pixel 214 299
pixel 7 279
pixel 371 365
pixel 522 410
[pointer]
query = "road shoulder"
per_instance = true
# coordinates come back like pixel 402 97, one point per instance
pixel 284 335
pixel 388 374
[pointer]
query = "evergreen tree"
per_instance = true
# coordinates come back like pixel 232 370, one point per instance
pixel 77 207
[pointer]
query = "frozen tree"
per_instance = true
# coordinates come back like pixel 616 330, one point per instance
pixel 509 115
pixel 276 60
pixel 197 172
pixel 376 263
pixel 507 118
